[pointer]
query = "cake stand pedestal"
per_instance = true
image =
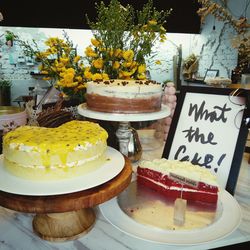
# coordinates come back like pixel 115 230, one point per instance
pixel 124 132
pixel 67 216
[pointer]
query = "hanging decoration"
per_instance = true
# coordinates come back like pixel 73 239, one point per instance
pixel 241 41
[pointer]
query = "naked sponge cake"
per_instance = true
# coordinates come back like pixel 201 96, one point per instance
pixel 124 96
pixel 168 176
pixel 69 150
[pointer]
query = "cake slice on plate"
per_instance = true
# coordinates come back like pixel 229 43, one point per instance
pixel 177 179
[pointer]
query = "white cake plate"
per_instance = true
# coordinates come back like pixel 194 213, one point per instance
pixel 84 111
pixel 16 185
pixel 123 132
pixel 229 218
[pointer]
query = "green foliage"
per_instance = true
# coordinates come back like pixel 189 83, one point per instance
pixel 9 36
pixel 121 27
pixel 5 83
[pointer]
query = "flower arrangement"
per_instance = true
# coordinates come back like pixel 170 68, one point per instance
pixel 60 65
pixel 123 40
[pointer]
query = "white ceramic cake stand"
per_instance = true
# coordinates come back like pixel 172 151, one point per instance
pixel 123 132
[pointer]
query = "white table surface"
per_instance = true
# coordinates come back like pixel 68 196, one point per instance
pixel 16 231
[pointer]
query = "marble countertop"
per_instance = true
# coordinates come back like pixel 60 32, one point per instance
pixel 16 231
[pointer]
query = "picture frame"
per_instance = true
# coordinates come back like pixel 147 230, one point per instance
pixel 220 156
pixel 211 73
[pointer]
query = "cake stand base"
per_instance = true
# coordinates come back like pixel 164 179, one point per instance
pixel 64 226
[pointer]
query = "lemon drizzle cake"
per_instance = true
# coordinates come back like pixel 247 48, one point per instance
pixel 71 149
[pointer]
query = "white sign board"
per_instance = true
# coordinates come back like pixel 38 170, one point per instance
pixel 205 130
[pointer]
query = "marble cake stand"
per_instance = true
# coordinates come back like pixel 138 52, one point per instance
pixel 67 216
pixel 123 132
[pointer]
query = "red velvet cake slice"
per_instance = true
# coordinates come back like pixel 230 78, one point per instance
pixel 171 177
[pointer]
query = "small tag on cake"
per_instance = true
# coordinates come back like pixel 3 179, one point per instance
pixel 179 211
pixel 183 180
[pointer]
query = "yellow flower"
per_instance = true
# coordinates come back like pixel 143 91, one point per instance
pixel 118 53
pixel 134 64
pixel 162 29
pixel 77 59
pixel 68 78
pixel 96 76
pixel 116 65
pixel 70 71
pixel 141 76
pixel 152 22
pixel 90 52
pixel 95 42
pixel 111 52
pixel 128 73
pixel 81 86
pixel 127 64
pixel 128 55
pixel 163 38
pixel 78 78
pixel 52 41
pixel 105 76
pixel 73 84
pixel 64 60
pixel 158 62
pixel 142 68
pixel 46 78
pixel 98 63
pixel 87 73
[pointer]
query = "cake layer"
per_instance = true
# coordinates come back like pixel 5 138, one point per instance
pixel 50 174
pixel 167 181
pixel 177 191
pixel 124 96
pixel 123 105
pixel 182 168
pixel 178 179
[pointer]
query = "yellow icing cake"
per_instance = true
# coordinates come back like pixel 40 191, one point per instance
pixel 40 153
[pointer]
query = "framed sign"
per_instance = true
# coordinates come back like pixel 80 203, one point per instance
pixel 209 129
pixel 211 73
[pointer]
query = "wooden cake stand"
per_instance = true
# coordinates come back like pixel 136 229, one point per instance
pixel 67 216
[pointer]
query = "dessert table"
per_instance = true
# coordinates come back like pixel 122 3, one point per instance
pixel 16 227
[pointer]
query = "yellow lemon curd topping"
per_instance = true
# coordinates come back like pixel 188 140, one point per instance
pixel 72 136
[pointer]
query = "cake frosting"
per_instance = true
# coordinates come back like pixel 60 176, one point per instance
pixel 176 179
pixel 124 96
pixel 71 149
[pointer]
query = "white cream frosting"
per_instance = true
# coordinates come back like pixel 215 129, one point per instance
pixel 25 148
pixel 185 169
pixel 131 90
pixel 69 164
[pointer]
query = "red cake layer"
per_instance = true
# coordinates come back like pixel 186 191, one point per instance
pixel 153 179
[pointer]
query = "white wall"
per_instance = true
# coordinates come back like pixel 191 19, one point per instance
pixel 214 50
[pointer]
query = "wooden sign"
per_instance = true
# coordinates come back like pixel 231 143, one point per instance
pixel 209 129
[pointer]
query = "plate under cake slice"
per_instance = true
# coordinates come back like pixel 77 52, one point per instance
pixel 176 179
